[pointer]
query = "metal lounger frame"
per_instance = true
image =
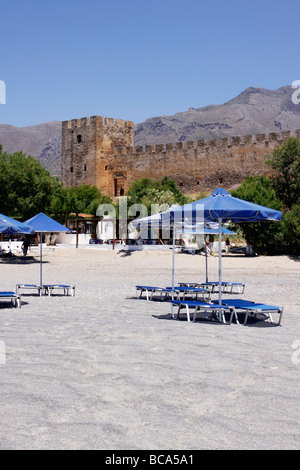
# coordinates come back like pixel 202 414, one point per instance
pixel 14 298
pixel 29 287
pixel 48 289
pixel 252 309
pixel 212 308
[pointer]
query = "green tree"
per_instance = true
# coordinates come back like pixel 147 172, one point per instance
pixel 147 191
pixel 291 230
pixel 285 162
pixel 83 199
pixel 265 237
pixel 26 188
pixel 158 197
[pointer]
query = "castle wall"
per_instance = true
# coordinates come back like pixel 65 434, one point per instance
pixel 105 157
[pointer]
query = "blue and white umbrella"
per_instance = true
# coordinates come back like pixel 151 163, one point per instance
pixel 14 227
pixel 44 224
pixel 220 207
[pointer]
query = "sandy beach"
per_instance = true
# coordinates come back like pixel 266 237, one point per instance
pixel 104 370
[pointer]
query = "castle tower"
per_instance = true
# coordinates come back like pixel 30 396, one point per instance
pixel 89 148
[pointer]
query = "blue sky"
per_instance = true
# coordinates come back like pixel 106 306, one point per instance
pixel 135 59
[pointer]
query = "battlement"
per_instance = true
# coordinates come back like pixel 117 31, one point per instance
pixel 100 151
pixel 221 143
pixel 97 121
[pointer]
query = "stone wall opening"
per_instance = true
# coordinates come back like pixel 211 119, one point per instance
pixel 119 184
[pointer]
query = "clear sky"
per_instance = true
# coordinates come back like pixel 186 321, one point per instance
pixel 135 59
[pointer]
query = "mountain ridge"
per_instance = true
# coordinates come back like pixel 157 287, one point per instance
pixel 253 111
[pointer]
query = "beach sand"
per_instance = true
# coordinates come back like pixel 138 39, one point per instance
pixel 104 370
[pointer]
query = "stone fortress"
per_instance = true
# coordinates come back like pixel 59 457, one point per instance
pixel 101 152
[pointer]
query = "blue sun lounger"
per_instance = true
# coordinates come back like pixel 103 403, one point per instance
pixel 191 291
pixel 253 309
pixel 150 290
pixel 49 288
pixel 14 298
pixel 167 291
pixel 29 287
pixel 215 311
pixel 226 287
pixel 213 286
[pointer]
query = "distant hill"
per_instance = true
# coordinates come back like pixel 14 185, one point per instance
pixel 254 111
pixel 42 141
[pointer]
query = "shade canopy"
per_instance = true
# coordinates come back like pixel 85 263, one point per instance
pixel 14 227
pixel 221 206
pixel 43 223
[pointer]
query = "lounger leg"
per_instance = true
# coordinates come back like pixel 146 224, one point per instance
pixel 195 314
pixel 222 316
pixel 235 315
pixel 188 313
pixel 270 317
pixel 246 317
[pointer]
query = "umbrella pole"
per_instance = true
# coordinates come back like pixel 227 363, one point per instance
pixel 220 262
pixel 173 269
pixel 206 258
pixel 41 260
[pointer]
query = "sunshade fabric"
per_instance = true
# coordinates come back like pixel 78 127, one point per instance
pixel 221 206
pixel 43 223
pixel 12 226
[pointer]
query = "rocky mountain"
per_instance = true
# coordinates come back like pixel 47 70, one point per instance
pixel 42 141
pixel 254 111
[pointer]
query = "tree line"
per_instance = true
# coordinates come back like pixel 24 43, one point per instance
pixel 26 188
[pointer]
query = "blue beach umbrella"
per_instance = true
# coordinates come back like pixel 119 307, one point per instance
pixel 14 227
pixel 44 224
pixel 163 220
pixel 220 207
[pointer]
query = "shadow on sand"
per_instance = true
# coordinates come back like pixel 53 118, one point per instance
pixel 11 259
